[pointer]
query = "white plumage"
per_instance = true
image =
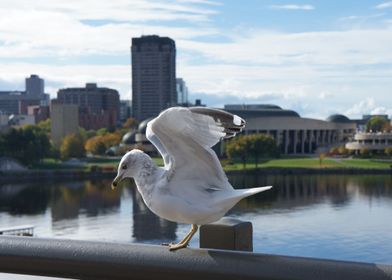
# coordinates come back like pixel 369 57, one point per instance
pixel 192 186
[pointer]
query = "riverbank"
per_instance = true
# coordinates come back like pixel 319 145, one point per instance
pixel 61 175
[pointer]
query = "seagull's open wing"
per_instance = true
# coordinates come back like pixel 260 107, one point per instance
pixel 184 137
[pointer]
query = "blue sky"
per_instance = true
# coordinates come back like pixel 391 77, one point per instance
pixel 315 57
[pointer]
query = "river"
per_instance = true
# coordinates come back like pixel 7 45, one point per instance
pixel 343 217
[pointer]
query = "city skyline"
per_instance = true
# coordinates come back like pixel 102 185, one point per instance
pixel 315 57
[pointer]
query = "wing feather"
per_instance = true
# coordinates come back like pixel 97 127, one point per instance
pixel 184 138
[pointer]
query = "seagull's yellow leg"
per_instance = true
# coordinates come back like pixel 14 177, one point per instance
pixel 184 243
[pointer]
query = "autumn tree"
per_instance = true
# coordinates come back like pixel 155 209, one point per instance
pixel 130 123
pixel 98 145
pixel 388 151
pixel 72 146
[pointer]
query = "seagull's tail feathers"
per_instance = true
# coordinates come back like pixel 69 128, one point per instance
pixel 236 195
pixel 252 191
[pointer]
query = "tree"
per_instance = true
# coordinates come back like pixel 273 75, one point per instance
pixel 28 145
pixel 321 158
pixel 364 152
pixel 237 148
pixel 262 145
pixel 378 124
pixel 95 145
pixel 130 123
pixel 72 146
pixel 342 150
pixel 388 151
pixel 252 145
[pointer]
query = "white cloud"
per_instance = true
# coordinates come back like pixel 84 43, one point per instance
pixel 317 71
pixel 293 7
pixel 384 5
pixel 366 107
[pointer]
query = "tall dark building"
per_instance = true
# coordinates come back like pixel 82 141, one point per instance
pixel 153 75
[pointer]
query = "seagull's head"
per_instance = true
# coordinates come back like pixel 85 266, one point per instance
pixel 129 166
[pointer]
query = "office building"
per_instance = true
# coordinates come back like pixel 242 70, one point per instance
pixel 153 75
pixel 98 106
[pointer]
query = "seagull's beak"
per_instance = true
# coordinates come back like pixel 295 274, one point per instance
pixel 116 181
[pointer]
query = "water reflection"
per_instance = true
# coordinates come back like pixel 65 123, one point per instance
pixel 292 191
pixel 298 216
pixel 146 225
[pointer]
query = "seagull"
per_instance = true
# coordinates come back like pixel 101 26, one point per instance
pixel 191 187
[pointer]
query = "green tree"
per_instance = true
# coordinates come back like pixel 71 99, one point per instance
pixel 262 146
pixel 45 125
pixel 72 146
pixel 254 146
pixel 378 124
pixel 238 148
pixel 28 145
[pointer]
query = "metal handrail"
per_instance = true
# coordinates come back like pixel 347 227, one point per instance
pixel 100 260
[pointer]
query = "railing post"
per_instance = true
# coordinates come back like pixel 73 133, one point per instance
pixel 227 234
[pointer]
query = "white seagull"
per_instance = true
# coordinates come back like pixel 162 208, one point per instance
pixel 192 187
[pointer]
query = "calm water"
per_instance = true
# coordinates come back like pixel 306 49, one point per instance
pixel 323 216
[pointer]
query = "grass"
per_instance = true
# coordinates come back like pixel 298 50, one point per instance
pixel 314 163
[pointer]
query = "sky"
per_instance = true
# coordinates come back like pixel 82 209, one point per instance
pixel 315 57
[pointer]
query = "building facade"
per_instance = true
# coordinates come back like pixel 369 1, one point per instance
pixel 373 142
pixel 98 106
pixel 292 133
pixel 153 75
pixel 125 110
pixel 64 121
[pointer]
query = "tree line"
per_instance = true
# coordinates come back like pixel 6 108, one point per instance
pixel 31 143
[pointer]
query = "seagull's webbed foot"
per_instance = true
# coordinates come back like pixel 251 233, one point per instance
pixel 184 243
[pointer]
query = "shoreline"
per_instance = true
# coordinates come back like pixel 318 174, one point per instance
pixel 55 175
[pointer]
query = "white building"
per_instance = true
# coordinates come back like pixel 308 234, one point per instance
pixel 370 141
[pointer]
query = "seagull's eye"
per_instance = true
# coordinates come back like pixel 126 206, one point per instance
pixel 124 166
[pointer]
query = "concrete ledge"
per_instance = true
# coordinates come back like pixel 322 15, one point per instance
pixel 98 260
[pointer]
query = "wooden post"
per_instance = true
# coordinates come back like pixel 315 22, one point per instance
pixel 227 234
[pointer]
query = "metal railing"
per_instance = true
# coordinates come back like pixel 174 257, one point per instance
pixel 99 260
pixel 25 230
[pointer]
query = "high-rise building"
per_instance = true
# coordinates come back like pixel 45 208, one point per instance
pixel 182 92
pixel 153 75
pixel 34 85
pixel 98 106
